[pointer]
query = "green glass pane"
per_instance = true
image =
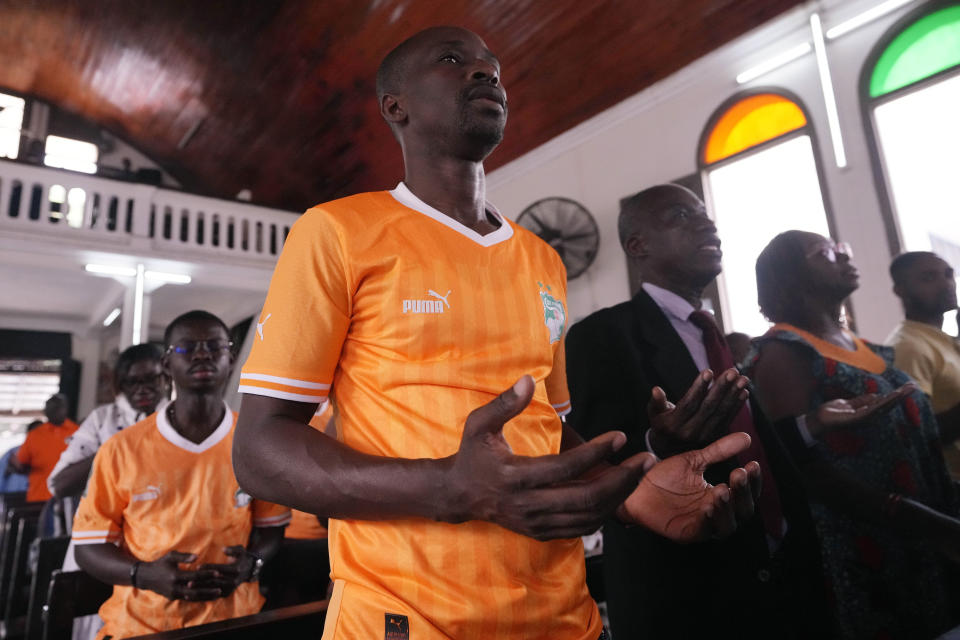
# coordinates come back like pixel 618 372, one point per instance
pixel 928 46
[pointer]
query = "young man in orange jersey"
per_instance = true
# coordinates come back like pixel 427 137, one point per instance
pixel 455 507
pixel 163 518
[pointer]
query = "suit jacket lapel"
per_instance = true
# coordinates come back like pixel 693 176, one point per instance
pixel 667 353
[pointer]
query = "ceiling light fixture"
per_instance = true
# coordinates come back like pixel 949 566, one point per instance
pixel 829 96
pixel 110 270
pixel 775 62
pixel 866 17
pixel 138 306
pixel 170 278
pixel 113 315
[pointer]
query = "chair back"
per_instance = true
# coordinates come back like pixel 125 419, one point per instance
pixel 10 557
pixel 71 594
pixel 50 556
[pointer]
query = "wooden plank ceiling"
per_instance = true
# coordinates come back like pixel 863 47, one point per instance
pixel 280 94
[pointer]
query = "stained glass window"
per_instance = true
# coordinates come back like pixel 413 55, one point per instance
pixel 754 196
pixel 928 46
pixel 750 122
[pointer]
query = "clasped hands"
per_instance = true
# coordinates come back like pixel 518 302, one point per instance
pixel 571 493
pixel 207 582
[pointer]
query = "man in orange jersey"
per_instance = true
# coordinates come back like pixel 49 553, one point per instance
pixel 455 507
pixel 163 518
pixel 39 453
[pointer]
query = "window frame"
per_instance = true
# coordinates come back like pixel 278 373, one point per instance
pixel 808 130
pixel 868 105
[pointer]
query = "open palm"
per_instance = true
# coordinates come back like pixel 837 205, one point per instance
pixel 674 500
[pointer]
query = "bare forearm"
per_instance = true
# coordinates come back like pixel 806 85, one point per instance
pixel 281 460
pixel 105 562
pixel 72 479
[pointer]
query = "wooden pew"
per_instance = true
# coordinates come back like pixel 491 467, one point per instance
pixel 300 621
pixel 71 594
pixel 9 559
pixel 49 559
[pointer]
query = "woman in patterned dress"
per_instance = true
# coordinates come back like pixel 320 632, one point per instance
pixel 880 494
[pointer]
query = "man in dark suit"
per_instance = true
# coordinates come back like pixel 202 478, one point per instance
pixel 623 363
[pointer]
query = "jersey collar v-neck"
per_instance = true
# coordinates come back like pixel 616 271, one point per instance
pixel 173 437
pixel 404 196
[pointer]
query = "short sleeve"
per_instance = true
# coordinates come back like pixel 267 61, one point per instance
pixel 305 317
pixel 267 514
pixel 918 362
pixel 99 517
pixel 556 382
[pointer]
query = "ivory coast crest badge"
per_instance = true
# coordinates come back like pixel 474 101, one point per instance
pixel 554 315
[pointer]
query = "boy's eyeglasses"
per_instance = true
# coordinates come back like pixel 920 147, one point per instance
pixel 190 347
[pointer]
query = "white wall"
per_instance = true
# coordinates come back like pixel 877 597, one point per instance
pixel 652 137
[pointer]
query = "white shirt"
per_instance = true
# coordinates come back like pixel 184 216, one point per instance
pixel 678 313
pixel 102 423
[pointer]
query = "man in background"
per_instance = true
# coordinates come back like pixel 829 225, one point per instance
pixel 662 343
pixel 927 287
pixel 39 453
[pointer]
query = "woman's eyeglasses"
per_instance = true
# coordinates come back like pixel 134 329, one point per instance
pixel 832 250
pixel 130 384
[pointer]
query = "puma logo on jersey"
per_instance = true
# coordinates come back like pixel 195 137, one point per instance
pixel 260 326
pixel 439 305
pixel 152 493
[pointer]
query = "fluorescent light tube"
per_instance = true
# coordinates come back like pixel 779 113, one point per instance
pixel 113 315
pixel 110 270
pixel 866 17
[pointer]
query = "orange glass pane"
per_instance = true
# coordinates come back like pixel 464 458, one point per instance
pixel 750 122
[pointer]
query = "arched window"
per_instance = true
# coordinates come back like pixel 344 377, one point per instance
pixel 761 177
pixel 910 87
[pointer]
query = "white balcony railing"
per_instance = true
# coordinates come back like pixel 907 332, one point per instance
pixel 112 213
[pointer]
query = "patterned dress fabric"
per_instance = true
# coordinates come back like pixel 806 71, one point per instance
pixel 882 584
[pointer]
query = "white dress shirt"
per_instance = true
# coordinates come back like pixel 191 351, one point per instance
pixel 678 313
pixel 102 423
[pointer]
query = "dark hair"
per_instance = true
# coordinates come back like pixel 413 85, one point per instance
pixel 33 425
pixel 131 355
pixel 779 275
pixel 903 262
pixel 193 316
pixel 632 207
pixel 391 70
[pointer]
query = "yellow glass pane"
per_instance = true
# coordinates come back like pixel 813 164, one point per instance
pixel 750 122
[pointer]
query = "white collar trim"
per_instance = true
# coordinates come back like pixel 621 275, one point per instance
pixel 404 196
pixel 170 434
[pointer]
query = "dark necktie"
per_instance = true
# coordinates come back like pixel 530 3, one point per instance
pixel 720 358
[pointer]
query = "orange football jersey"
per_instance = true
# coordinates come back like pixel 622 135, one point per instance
pixel 152 491
pixel 41 451
pixel 408 321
